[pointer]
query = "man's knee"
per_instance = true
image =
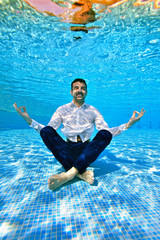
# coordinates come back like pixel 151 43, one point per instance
pixel 106 135
pixel 46 131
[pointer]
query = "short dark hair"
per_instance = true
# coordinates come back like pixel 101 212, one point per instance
pixel 78 80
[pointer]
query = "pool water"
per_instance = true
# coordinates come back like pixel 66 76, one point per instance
pixel 120 59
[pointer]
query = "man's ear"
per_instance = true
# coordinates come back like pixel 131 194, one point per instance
pixel 71 92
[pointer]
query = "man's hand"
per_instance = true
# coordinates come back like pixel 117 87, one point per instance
pixel 135 118
pixel 23 113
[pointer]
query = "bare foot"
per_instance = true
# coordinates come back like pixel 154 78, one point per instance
pixel 87 176
pixel 57 180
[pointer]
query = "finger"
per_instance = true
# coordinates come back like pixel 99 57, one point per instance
pixel 24 109
pixel 15 105
pixel 133 115
pixel 142 111
pixel 136 112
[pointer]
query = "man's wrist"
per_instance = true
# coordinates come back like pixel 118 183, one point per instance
pixel 29 121
pixel 127 126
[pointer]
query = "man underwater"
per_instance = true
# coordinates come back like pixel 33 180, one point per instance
pixel 78 120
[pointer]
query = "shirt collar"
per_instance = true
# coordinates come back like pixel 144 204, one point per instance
pixel 74 105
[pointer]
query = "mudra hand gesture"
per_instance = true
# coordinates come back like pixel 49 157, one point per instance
pixel 135 118
pixel 23 113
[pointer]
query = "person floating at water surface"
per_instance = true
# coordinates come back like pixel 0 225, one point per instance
pixel 78 120
pixel 77 11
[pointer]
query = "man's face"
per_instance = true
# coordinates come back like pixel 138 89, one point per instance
pixel 79 91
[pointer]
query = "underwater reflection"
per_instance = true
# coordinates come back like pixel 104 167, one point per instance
pixel 80 11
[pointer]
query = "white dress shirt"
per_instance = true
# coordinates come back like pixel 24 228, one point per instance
pixel 78 121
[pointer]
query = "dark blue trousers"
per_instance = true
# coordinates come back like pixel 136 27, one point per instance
pixel 75 154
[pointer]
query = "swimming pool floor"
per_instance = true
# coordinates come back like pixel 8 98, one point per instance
pixel 123 203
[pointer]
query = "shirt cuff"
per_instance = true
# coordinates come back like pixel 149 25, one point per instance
pixel 122 127
pixel 115 131
pixel 35 125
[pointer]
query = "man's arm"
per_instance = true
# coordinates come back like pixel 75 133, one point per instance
pixel 46 6
pixel 23 113
pixel 115 131
pixel 135 118
pixel 55 121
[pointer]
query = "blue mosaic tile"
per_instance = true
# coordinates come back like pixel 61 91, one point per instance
pixel 122 206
